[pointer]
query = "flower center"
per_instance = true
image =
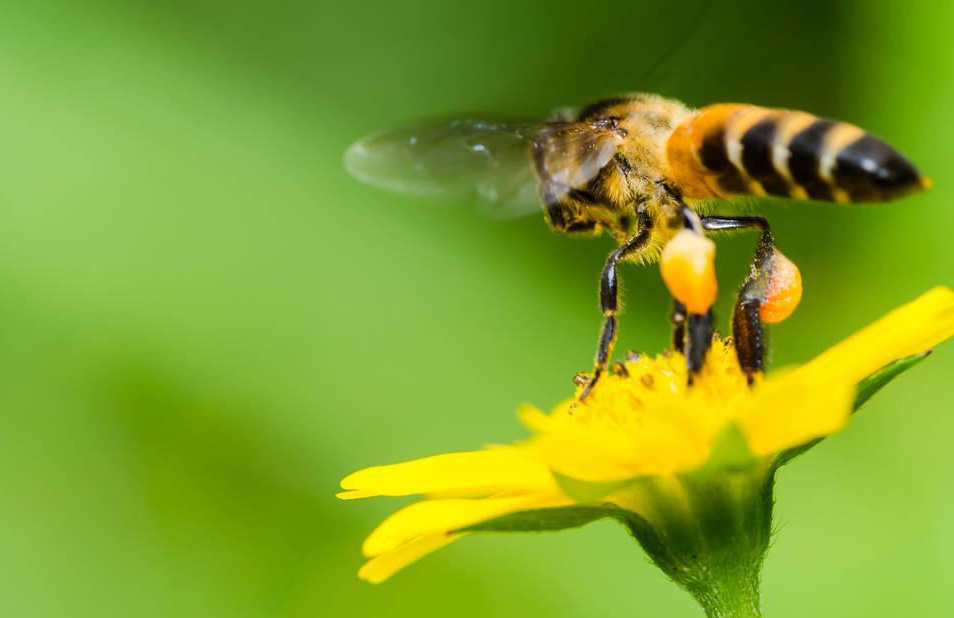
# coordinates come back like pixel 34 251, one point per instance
pixel 644 388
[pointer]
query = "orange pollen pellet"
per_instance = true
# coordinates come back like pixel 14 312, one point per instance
pixel 784 290
pixel 687 264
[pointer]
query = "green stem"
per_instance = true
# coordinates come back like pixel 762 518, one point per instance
pixel 709 534
pixel 730 597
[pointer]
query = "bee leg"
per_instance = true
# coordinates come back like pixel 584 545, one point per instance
pixel 747 327
pixel 698 341
pixel 678 319
pixel 693 331
pixel 619 369
pixel 584 227
pixel 563 218
pixel 609 298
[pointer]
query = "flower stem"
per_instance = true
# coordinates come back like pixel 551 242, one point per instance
pixel 736 596
pixel 709 534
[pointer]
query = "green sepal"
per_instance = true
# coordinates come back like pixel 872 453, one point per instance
pixel 554 519
pixel 588 491
pixel 730 453
pixel 545 520
pixel 867 389
pixel 879 379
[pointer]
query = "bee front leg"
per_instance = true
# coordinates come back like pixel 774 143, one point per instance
pixel 609 298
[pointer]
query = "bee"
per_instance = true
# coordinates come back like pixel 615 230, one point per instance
pixel 648 170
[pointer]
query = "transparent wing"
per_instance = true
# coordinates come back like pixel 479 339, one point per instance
pixel 569 155
pixel 461 160
pixel 487 162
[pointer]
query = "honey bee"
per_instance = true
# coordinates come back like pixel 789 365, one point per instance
pixel 647 170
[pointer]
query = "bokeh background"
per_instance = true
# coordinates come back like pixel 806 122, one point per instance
pixel 205 323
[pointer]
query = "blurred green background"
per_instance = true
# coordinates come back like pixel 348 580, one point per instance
pixel 205 323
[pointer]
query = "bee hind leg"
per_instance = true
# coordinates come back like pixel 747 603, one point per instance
pixel 609 299
pixel 747 329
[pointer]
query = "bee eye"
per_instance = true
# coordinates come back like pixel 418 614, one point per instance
pixel 784 290
pixel 687 264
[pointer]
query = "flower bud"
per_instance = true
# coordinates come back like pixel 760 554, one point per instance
pixel 784 290
pixel 687 265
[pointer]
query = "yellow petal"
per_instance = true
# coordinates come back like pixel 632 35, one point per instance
pixel 488 471
pixel 533 418
pixel 431 516
pixel 911 329
pixel 794 411
pixel 815 400
pixel 384 566
pixel 605 455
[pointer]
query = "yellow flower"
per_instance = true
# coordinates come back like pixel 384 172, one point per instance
pixel 688 470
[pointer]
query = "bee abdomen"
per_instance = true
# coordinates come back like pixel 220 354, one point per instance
pixel 731 149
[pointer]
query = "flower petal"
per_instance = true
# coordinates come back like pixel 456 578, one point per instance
pixel 816 399
pixel 910 329
pixel 602 455
pixel 387 564
pixel 488 471
pixel 431 516
pixel 793 411
pixel 417 530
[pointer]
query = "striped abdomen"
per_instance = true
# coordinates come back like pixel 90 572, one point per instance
pixel 731 149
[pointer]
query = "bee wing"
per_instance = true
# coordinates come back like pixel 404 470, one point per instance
pixel 459 160
pixel 568 155
pixel 484 161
